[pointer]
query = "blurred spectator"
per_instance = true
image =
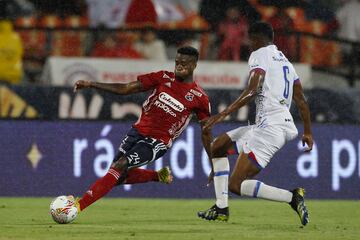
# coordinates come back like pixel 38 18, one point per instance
pixel 232 33
pixel 112 47
pixel 115 13
pixel 318 10
pixel 151 47
pixel 108 13
pixel 145 12
pixel 348 17
pixel 11 9
pixel 282 23
pixel 214 10
pixel 11 51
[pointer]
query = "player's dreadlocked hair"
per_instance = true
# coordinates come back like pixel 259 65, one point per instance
pixel 262 28
pixel 187 50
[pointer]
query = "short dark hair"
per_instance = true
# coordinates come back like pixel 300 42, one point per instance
pixel 262 28
pixel 188 50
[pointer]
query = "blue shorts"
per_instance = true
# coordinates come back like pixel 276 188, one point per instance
pixel 140 150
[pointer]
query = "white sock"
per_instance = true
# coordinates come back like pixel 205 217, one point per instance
pixel 221 178
pixel 257 189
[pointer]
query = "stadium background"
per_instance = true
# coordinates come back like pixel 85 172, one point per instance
pixel 55 142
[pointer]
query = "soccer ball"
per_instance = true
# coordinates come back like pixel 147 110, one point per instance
pixel 63 209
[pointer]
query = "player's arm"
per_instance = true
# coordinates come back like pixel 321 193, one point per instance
pixel 203 114
pixel 206 138
pixel 256 78
pixel 303 107
pixel 248 94
pixel 118 88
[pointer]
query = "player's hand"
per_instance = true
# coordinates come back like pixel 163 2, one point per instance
pixel 308 139
pixel 80 84
pixel 214 120
pixel 210 178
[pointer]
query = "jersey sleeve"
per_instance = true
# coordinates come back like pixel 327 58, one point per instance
pixel 257 62
pixel 296 77
pixel 204 110
pixel 150 80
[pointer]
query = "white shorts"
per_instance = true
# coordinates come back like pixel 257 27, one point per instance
pixel 263 142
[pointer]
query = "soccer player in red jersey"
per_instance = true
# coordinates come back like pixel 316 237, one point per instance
pixel 165 115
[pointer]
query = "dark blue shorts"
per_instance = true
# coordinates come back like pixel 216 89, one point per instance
pixel 140 150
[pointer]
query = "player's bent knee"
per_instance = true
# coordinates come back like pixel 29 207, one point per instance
pixel 121 164
pixel 216 151
pixel 220 146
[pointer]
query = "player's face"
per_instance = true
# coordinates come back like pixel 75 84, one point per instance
pixel 184 65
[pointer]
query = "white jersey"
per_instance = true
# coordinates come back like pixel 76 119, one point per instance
pixel 274 97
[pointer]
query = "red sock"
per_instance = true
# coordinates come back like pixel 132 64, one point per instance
pixel 100 188
pixel 139 175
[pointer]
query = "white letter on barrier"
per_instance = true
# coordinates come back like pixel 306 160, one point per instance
pixel 79 146
pixel 205 162
pixel 95 106
pixel 311 159
pixel 78 109
pixel 188 147
pixel 338 171
pixel 106 158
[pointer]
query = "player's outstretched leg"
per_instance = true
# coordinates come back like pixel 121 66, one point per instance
pixel 298 204
pixel 139 175
pixel 215 213
pixel 103 185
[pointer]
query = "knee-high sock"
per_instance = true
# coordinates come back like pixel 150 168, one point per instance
pixel 221 178
pixel 100 188
pixel 139 175
pixel 257 189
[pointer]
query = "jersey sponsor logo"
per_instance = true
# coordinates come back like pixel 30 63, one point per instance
pixel 196 93
pixel 279 59
pixel 164 107
pixel 172 102
pixel 168 84
pixel 189 96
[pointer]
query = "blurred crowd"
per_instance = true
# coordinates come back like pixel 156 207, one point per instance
pixel 32 30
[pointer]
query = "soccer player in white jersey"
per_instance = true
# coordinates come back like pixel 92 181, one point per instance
pixel 273 83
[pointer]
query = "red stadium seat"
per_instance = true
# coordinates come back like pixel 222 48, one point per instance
pixel 34 41
pixel 50 21
pixel 70 43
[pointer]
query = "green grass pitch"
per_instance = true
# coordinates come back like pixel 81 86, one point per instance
pixel 118 218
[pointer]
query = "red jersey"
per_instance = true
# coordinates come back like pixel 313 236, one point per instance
pixel 168 109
